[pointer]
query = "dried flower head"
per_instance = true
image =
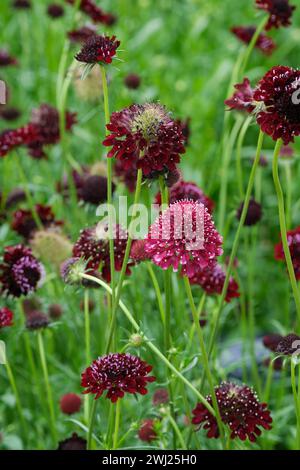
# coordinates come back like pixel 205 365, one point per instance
pixel 98 49
pixel 245 34
pixel 89 89
pixel 145 136
pixel 117 374
pixel 51 246
pixel 280 12
pixel 240 410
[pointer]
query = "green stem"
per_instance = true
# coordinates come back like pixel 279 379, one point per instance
pixel 117 425
pixel 204 355
pixel 28 194
pixel 87 328
pixel 124 265
pixel 149 343
pixel 48 387
pixel 177 431
pixel 157 291
pixel 91 425
pixel 252 44
pixel 283 229
pixel 13 385
pixel 289 189
pixel 239 146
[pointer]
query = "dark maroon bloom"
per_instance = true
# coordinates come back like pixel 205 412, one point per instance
pixel 132 81
pixel 245 34
pixel 147 431
pixel 280 12
pixel 242 99
pixel 254 213
pixel 98 49
pixel 240 410
pixel 55 10
pixel 212 279
pixel 289 345
pixel 24 224
pixel 55 311
pixel 172 177
pixel 6 59
pixel 184 235
pixel 93 246
pixel 110 19
pixel 10 114
pixel 278 104
pixel 15 138
pixel 138 253
pixel 94 189
pixel 37 320
pixel 185 128
pixel 118 374
pixel 160 397
pixel 271 341
pixel 70 403
pixel 73 443
pixel 188 190
pixel 21 4
pixel 81 35
pixel 293 238
pixel 6 317
pixel 145 136
pixel 90 8
pixel 20 271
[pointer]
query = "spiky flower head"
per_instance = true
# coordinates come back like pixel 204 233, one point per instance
pixel 72 269
pixel 117 374
pixel 20 271
pixel 184 236
pixel 51 246
pixel 98 49
pixel 145 136
pixel 240 410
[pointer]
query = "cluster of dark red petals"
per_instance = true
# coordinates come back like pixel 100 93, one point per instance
pixel 242 99
pixel 20 271
pixel 6 317
pixel 82 34
pixel 278 100
pixel 117 374
pixel 245 34
pixel 280 12
pixel 293 238
pixel 212 279
pixel 55 10
pixel 98 49
pixel 24 224
pixel 289 345
pixel 147 432
pixel 240 410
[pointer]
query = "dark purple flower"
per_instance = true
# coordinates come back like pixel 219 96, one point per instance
pixel 245 34
pixel 98 49
pixel 280 12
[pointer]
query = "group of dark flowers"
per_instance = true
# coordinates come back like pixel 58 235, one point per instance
pixel 146 144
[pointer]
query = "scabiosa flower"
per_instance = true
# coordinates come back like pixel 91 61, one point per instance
pixel 132 81
pixel 188 190
pixel 21 4
pixel 82 34
pixel 254 213
pixel 92 10
pixel 118 374
pixel 93 246
pixel 6 317
pixel 145 136
pixel 242 99
pixel 55 311
pixel 14 138
pixel 293 238
pixel 71 270
pixel 20 271
pixel 37 320
pixel 70 403
pixel 10 114
pixel 94 189
pixel 184 235
pixel 137 252
pixel 160 397
pixel 280 12
pixel 24 224
pixel 277 96
pixel 147 430
pixel 212 279
pixel 74 442
pixel 240 410
pixel 98 49
pixel 245 34
pixel 55 11
pixel 6 59
pixel 289 345
pixel 271 341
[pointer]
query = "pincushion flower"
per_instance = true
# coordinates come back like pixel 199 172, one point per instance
pixel 117 374
pixel 55 11
pixel 93 246
pixel 278 103
pixel 271 341
pixel 20 271
pixel 240 410
pixel 10 114
pixel 70 403
pixel 280 12
pixel 98 49
pixel 24 224
pixel 145 136
pixel 6 317
pixel 90 8
pixel 253 215
pixel 245 34
pixel 15 138
pixel 242 99
pixel 74 442
pixel 132 81
pixel 293 238
pixel 37 320
pixel 184 236
pixel 289 345
pixel 212 279
pixel 187 190
pixel 147 430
